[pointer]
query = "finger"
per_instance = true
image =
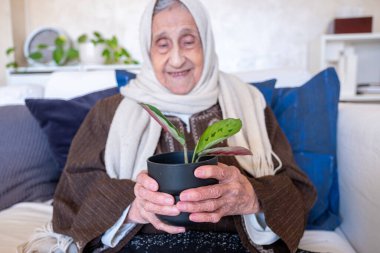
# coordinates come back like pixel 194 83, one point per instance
pixel 200 206
pixel 159 198
pixel 203 193
pixel 158 224
pixel 220 172
pixel 205 217
pixel 158 209
pixel 144 179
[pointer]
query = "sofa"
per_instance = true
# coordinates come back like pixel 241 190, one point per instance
pixel 26 203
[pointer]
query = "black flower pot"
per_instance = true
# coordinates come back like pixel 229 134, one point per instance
pixel 174 176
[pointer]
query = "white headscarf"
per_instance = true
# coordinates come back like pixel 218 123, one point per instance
pixel 134 135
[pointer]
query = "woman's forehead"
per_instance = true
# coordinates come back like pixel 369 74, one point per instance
pixel 176 19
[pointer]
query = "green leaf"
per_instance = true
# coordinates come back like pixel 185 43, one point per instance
pixel 60 41
pixel 36 56
pixel 12 65
pixel 135 62
pixel 113 43
pixel 98 35
pixel 125 52
pixel 72 54
pixel 165 123
pixel 42 46
pixel 225 151
pixel 217 133
pixel 82 39
pixel 58 55
pixel 10 50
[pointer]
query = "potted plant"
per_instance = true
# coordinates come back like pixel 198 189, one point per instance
pixel 11 61
pixel 174 172
pixel 101 50
pixel 61 52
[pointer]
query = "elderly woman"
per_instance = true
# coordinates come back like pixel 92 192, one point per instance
pixel 106 200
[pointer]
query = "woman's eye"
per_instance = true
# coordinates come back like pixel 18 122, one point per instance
pixel 188 41
pixel 162 44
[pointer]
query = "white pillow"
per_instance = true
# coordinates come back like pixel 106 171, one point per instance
pixel 70 84
pixel 16 94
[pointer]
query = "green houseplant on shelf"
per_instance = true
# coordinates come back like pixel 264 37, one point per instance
pixel 101 50
pixel 11 61
pixel 62 52
pixel 174 172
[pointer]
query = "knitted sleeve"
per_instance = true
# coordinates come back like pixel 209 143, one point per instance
pixel 287 197
pixel 87 201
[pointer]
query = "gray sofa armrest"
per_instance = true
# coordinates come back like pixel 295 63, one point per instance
pixel 359 174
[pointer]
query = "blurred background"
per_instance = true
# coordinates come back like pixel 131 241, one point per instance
pixel 249 34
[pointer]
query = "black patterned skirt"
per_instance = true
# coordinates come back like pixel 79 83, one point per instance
pixel 189 242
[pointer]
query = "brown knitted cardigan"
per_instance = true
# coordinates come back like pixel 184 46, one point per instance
pixel 87 202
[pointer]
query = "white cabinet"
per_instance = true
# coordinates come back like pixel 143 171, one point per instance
pixel 40 75
pixel 356 58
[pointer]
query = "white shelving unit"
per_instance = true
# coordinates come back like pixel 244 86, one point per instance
pixel 40 74
pixel 356 57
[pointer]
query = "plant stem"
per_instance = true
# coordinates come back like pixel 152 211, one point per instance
pixel 185 154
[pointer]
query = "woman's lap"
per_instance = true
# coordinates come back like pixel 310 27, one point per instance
pixel 188 242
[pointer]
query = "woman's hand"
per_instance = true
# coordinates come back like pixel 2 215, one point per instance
pixel 149 202
pixel 233 195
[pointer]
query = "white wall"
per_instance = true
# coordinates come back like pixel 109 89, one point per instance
pixel 250 34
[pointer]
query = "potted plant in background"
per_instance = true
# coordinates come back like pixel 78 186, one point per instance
pixel 61 52
pixel 11 60
pixel 101 50
pixel 174 172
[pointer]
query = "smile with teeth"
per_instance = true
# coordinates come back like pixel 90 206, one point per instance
pixel 179 74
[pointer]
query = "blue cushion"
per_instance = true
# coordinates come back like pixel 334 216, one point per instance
pixel 267 89
pixel 123 77
pixel 308 117
pixel 60 119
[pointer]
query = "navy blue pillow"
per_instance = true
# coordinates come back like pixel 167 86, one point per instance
pixel 60 119
pixel 308 116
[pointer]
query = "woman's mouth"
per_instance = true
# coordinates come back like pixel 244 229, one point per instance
pixel 179 73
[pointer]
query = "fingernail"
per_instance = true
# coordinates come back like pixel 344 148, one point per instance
pixel 181 230
pixel 200 173
pixel 168 201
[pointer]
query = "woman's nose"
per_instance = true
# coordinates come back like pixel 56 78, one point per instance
pixel 177 58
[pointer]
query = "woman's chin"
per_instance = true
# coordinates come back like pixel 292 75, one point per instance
pixel 180 89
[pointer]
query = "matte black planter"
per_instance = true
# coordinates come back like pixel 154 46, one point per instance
pixel 174 176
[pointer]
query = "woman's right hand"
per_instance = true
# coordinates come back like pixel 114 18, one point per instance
pixel 149 202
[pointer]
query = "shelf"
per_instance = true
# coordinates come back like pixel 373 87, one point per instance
pixel 39 75
pixel 51 69
pixel 352 37
pixel 361 98
pixel 355 58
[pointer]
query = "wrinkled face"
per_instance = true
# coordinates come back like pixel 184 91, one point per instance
pixel 176 50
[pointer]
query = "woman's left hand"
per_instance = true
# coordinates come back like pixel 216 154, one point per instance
pixel 233 195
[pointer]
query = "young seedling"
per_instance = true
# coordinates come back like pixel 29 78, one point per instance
pixel 213 135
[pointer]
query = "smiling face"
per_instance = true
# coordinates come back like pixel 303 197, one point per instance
pixel 176 49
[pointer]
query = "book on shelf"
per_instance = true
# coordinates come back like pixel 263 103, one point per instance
pixel 368 88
